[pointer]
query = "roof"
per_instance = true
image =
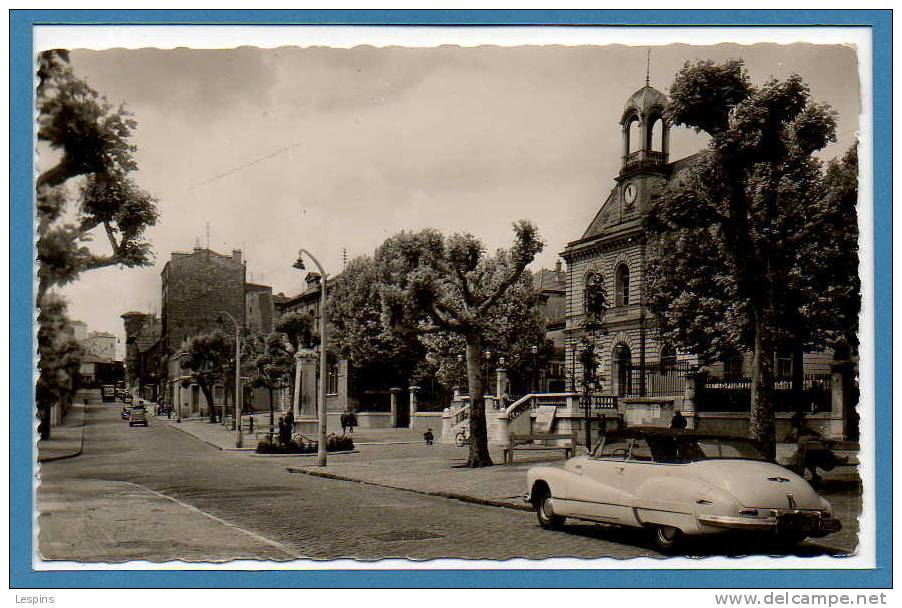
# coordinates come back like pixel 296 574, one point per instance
pixel 548 280
pixel 149 335
pixel 645 99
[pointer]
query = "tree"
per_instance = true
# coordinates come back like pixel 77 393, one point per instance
pixel 358 333
pixel 59 357
pixel 732 258
pixel 209 358
pixel 297 329
pixel 92 140
pixel 510 329
pixel 268 361
pixel 429 284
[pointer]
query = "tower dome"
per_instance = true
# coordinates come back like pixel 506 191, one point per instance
pixel 644 102
pixel 644 113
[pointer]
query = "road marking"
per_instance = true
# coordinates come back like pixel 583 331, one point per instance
pixel 281 547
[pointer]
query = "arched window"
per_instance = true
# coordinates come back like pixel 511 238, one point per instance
pixel 634 135
pixel 732 365
pixel 655 135
pixel 594 297
pixel 623 362
pixel 622 285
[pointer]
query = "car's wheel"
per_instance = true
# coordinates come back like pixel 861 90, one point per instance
pixel 545 511
pixel 666 538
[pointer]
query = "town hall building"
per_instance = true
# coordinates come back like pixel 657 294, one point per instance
pixel 608 261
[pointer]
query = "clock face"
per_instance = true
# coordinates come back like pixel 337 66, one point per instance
pixel 629 193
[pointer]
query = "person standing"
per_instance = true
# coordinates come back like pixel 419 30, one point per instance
pixel 678 421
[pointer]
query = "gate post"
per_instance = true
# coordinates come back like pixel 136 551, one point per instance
pixel 413 404
pixel 393 401
pixel 693 385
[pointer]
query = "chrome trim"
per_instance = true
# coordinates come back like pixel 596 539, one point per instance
pixel 739 523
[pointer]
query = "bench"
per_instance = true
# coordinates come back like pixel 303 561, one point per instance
pixel 833 446
pixel 527 443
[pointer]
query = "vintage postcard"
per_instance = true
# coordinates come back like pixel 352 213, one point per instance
pixel 388 298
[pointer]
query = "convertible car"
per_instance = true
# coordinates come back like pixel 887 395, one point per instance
pixel 678 484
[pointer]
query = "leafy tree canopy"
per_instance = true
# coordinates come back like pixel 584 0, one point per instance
pixel 736 261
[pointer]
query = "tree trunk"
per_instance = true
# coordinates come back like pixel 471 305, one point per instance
pixel 761 418
pixel 479 440
pixel 798 372
pixel 272 413
pixel 208 395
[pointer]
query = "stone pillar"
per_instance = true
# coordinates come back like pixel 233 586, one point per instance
pixel 344 404
pixel 694 382
pixel 456 396
pixel 840 383
pixel 413 404
pixel 308 399
pixel 501 387
pixel 296 398
pixel 394 392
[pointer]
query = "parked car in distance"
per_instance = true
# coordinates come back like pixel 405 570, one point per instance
pixel 137 415
pixel 678 484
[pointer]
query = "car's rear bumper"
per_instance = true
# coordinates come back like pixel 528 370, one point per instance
pixel 812 524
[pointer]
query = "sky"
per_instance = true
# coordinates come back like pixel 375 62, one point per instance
pixel 337 149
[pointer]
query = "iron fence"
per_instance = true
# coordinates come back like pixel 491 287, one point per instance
pixel 735 394
pixel 652 380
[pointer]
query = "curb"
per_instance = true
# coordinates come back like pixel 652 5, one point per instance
pixel 450 495
pixel 173 425
pixel 306 455
pixel 81 444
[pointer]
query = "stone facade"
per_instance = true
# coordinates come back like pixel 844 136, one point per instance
pixel 196 288
pixel 611 253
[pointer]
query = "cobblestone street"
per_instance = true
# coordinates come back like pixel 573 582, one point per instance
pixel 145 488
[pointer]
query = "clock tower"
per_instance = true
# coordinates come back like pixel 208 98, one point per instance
pixel 610 256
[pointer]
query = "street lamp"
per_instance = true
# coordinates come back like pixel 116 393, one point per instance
pixel 299 264
pixel 535 373
pixel 237 378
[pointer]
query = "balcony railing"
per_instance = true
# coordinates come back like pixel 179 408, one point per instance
pixel 641 159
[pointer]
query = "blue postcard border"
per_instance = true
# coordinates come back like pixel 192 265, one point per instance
pixel 21 309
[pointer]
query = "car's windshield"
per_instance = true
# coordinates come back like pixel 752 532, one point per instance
pixel 680 449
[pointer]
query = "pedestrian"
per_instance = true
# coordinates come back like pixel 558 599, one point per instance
pixel 284 433
pixel 428 437
pixel 678 421
pixel 816 449
pixel 344 423
pixel 352 421
pixel 289 422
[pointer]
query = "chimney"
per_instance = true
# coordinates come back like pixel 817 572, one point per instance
pixel 557 267
pixel 236 255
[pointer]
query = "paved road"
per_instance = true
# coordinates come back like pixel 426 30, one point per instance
pixel 274 514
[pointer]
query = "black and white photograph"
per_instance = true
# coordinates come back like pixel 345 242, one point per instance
pixel 487 302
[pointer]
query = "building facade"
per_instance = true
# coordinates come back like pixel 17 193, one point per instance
pixel 101 344
pixel 607 263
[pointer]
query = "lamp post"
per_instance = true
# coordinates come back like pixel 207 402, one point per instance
pixel 535 368
pixel 237 379
pixel 321 448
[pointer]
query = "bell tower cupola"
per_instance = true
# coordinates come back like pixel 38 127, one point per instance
pixel 646 133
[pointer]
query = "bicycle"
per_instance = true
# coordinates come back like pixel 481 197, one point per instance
pixel 462 438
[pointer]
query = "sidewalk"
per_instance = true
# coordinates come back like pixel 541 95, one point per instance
pixel 67 439
pixel 213 434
